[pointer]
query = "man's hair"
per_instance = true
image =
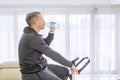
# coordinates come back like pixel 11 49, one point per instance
pixel 30 16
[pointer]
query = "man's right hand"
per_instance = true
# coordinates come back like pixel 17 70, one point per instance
pixel 74 69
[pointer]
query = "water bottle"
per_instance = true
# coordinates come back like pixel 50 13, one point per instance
pixel 52 24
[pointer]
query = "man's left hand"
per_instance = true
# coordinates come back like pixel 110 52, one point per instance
pixel 52 29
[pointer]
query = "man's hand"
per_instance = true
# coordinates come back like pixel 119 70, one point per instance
pixel 52 29
pixel 74 69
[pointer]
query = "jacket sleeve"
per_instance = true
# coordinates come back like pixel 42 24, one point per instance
pixel 37 43
pixel 49 38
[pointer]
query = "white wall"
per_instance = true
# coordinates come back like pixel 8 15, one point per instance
pixel 57 2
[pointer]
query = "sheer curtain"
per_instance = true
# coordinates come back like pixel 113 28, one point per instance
pixel 105 47
pixel 85 30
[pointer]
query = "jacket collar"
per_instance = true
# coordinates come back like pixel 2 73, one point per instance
pixel 29 30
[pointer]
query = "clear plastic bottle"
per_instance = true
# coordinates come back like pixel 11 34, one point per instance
pixel 52 24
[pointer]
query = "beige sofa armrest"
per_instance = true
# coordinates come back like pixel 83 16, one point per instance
pixel 10 71
pixel 13 64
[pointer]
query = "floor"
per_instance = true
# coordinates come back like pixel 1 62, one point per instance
pixel 97 77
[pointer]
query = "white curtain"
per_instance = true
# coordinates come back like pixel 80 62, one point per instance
pixel 85 30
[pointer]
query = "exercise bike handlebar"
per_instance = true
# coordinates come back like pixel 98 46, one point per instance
pixel 88 61
pixel 73 61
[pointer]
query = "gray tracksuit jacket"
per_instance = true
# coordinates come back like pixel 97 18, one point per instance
pixel 31 48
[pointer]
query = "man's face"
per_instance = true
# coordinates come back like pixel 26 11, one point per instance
pixel 40 22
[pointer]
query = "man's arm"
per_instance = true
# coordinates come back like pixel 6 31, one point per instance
pixel 50 36
pixel 39 44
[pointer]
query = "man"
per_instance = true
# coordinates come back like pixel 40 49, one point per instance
pixel 31 49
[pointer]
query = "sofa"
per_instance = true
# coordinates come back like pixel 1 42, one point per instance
pixel 10 71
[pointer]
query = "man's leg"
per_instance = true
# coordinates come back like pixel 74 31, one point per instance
pixel 61 72
pixel 47 74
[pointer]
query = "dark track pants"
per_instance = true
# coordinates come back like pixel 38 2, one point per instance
pixel 51 72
